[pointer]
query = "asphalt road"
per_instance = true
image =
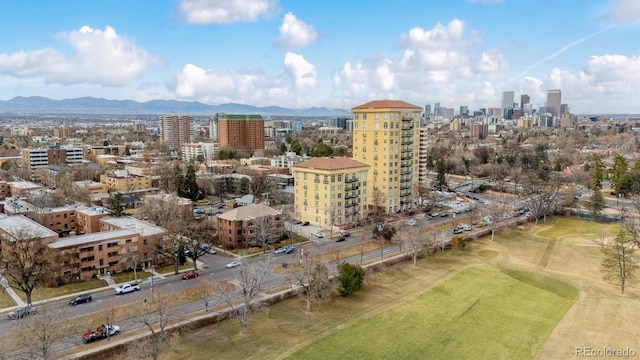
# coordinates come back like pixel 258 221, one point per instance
pixel 216 268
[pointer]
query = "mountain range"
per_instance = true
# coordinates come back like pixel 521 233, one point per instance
pixel 89 105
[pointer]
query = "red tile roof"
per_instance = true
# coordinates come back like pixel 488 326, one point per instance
pixel 331 163
pixel 386 104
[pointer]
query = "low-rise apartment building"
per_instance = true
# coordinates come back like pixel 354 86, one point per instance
pixel 61 219
pixel 331 191
pixel 250 226
pixel 122 181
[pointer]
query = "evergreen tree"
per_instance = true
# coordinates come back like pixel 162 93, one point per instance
pixel 190 186
pixel 283 147
pixel 441 181
pixel 597 174
pixel 296 147
pixel 178 179
pixel 596 203
pixel 618 172
pixel 116 206
pixel 350 278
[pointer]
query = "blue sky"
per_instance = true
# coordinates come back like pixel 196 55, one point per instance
pixel 332 53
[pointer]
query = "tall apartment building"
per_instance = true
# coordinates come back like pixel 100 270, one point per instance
pixel 240 132
pixel 554 100
pixel 331 191
pixel 213 128
pixel 176 130
pixel 423 157
pixel 478 131
pixel 386 136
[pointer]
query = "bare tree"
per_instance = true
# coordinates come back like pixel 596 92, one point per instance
pixel 249 278
pixel 108 314
pixel 205 291
pixel 618 262
pixel 156 315
pixel 495 215
pixel 27 260
pixel 311 275
pixel 263 231
pixel 171 245
pixel 198 239
pixel 41 336
pixel 418 238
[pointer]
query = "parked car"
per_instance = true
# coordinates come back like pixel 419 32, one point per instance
pixel 458 231
pixel 207 248
pixel 318 234
pixel 280 250
pixel 127 288
pixel 21 312
pixel 84 298
pixel 101 332
pixel 199 211
pixel 341 239
pixel 345 234
pixel 234 263
pixel 218 212
pixel 411 222
pixel 305 223
pixel 190 275
pixel 290 249
pixel 434 214
pixel 220 205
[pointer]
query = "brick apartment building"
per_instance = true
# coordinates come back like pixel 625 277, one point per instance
pixel 240 227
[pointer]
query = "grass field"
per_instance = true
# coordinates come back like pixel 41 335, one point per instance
pixel 522 273
pixel 480 312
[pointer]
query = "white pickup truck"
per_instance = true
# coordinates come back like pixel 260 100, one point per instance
pixel 126 288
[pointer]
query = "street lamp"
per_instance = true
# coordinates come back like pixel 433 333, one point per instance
pixel 153 269
pixel 135 266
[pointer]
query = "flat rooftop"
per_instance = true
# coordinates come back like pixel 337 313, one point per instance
pixel 14 224
pixel 101 236
pixel 141 227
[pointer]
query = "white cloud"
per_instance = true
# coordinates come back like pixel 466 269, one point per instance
pixel 303 72
pixel 99 57
pixel 624 11
pixel 205 12
pixel 438 37
pixel 249 86
pixel 438 64
pixel 606 83
pixel 295 33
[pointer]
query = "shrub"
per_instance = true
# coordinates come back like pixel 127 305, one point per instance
pixel 350 278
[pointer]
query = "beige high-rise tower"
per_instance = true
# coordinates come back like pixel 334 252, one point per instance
pixel 386 136
pixel 176 130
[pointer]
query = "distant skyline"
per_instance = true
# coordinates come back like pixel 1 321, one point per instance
pixel 336 54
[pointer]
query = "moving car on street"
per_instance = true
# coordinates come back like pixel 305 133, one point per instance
pixel 127 288
pixel 234 263
pixel 84 298
pixel 318 234
pixel 190 275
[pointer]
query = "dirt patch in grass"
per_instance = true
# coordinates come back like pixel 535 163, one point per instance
pixel 489 254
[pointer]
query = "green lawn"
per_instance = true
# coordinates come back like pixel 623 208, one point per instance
pixel 48 293
pixel 479 313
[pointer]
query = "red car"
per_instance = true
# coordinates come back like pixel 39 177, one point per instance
pixel 345 234
pixel 190 275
